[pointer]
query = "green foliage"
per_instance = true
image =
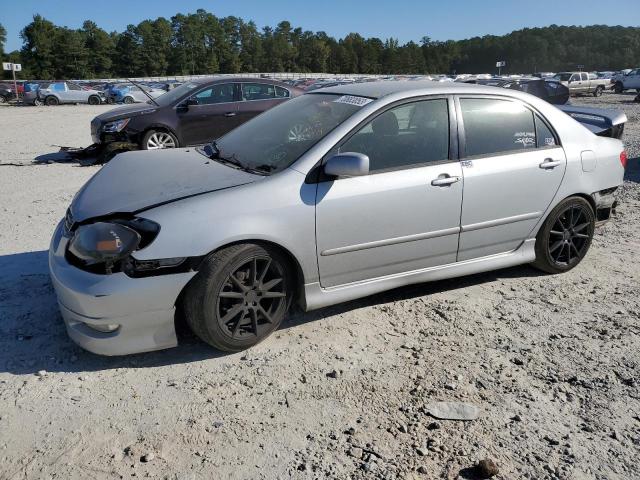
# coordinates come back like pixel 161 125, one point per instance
pixel 201 43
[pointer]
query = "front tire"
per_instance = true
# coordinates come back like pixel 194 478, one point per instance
pixel 239 297
pixel 127 100
pixel 618 87
pixel 94 100
pixel 565 236
pixel 158 139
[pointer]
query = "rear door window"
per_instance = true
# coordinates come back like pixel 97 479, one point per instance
pixel 493 126
pixel 258 91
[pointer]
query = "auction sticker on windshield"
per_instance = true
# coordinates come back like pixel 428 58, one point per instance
pixel 353 100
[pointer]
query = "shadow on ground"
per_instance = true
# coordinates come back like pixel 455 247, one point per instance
pixel 33 337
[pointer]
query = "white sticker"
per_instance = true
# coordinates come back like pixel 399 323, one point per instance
pixel 353 100
pixel 527 139
pixel 549 141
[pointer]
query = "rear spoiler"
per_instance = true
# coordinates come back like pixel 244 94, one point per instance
pixel 602 122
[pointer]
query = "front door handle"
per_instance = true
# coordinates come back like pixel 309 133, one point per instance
pixel 444 180
pixel 230 114
pixel 550 163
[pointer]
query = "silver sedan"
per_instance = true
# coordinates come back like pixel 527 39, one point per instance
pixel 334 195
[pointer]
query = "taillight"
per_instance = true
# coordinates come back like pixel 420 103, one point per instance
pixel 623 159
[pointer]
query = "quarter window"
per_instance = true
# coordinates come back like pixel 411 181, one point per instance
pixel 544 135
pixel 258 91
pixel 496 126
pixel 282 92
pixel 410 134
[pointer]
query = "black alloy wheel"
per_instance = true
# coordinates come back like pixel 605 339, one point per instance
pixel 566 236
pixel 251 298
pixel 240 295
pixel 570 236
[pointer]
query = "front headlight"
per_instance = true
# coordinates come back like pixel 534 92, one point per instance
pixel 116 126
pixel 103 243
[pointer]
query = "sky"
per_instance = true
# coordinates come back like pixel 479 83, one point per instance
pixel 402 19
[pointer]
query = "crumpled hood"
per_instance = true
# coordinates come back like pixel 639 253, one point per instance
pixel 126 111
pixel 135 181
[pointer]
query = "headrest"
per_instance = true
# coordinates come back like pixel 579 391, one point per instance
pixel 385 124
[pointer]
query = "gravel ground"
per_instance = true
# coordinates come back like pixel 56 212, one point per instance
pixel 553 362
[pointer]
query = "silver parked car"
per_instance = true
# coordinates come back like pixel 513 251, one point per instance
pixel 135 94
pixel 56 93
pixel 334 195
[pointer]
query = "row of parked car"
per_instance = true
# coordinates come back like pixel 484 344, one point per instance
pixel 59 92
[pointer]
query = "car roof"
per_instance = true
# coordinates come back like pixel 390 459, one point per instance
pixel 378 90
pixel 213 80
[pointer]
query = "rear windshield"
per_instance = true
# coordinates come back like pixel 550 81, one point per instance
pixel 563 77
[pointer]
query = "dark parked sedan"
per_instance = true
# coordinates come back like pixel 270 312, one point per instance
pixel 194 113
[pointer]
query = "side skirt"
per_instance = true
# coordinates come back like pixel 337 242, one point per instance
pixel 318 297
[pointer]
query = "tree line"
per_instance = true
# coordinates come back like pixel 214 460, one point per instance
pixel 202 43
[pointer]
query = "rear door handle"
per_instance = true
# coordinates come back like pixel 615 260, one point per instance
pixel 444 180
pixel 230 114
pixel 550 163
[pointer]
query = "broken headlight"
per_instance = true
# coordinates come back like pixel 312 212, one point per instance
pixel 103 243
pixel 116 126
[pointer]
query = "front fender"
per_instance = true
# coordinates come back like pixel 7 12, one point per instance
pixel 279 209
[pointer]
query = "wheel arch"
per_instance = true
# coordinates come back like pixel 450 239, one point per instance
pixel 294 265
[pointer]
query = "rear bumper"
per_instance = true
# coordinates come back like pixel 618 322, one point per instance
pixel 142 308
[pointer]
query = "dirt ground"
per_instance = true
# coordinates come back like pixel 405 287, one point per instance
pixel 553 362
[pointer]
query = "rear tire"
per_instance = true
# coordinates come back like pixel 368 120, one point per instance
pixel 598 91
pixel 51 101
pixel 239 297
pixel 618 87
pixel 38 103
pixel 2 99
pixel 94 100
pixel 565 237
pixel 158 139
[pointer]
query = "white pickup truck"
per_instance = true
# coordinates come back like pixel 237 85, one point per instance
pixel 581 83
pixel 628 81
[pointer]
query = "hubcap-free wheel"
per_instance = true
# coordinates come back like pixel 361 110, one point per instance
pixel 251 298
pixel 569 238
pixel 240 295
pixel 565 236
pixel 159 140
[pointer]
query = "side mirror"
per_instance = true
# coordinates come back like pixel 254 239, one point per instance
pixel 347 164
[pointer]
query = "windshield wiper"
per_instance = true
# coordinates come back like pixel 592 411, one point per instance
pixel 213 152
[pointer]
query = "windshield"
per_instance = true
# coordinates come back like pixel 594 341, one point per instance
pixel 563 77
pixel 278 137
pixel 171 96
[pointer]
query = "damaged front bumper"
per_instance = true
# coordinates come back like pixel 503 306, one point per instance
pixel 114 314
